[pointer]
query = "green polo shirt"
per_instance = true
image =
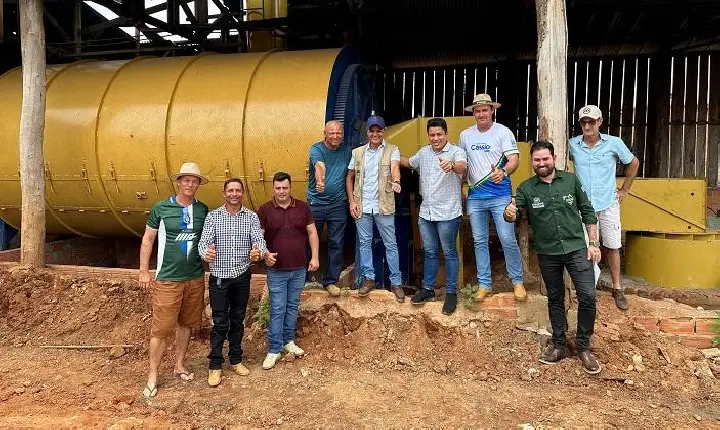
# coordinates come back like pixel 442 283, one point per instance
pixel 557 212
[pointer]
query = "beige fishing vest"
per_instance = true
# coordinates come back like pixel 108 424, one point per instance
pixel 386 196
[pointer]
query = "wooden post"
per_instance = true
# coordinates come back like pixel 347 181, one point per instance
pixel 552 87
pixel 552 76
pixel 32 126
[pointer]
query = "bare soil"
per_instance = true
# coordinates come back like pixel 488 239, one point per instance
pixel 369 363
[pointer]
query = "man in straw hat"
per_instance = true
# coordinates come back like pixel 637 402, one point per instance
pixel 595 156
pixel 179 285
pixel 493 156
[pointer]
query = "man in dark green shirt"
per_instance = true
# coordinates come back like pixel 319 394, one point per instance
pixel 557 208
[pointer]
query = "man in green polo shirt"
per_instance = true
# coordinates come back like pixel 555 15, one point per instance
pixel 557 207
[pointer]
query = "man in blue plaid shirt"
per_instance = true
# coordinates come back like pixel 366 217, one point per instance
pixel 231 241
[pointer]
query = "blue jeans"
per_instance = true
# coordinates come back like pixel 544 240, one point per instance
pixel 479 212
pixel 285 287
pixel 335 216
pixel 436 235
pixel 386 227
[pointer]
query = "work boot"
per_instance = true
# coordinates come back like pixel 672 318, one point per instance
pixel 270 360
pixel 214 377
pixel 481 294
pixel 367 286
pixel 333 290
pixel 520 294
pixel 450 303
pixel 552 354
pixel 620 300
pixel 399 293
pixel 422 296
pixel 240 369
pixel 293 349
pixel 589 362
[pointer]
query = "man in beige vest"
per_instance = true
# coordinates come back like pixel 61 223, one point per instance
pixel 373 179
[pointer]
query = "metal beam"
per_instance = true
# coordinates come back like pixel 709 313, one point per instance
pixel 56 25
pixel 77 26
pixel 117 8
pixel 2 28
pixel 188 12
pixel 118 22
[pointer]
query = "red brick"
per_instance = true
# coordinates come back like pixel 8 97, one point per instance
pixel 678 325
pixel 650 323
pixel 502 300
pixel 697 341
pixel 704 326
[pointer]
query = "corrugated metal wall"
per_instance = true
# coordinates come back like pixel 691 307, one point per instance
pixel 665 108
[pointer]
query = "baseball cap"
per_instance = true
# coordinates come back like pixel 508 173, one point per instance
pixel 590 111
pixel 375 120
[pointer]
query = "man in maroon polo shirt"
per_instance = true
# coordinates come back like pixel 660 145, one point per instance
pixel 287 226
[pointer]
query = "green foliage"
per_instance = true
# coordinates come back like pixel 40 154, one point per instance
pixel 263 314
pixel 467 297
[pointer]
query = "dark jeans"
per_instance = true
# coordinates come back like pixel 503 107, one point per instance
pixel 583 277
pixel 335 216
pixel 228 300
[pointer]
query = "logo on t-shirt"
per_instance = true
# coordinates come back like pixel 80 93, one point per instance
pixel 537 204
pixel 184 237
pixel 480 147
pixel 569 199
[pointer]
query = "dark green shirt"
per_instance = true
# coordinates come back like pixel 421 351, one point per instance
pixel 557 212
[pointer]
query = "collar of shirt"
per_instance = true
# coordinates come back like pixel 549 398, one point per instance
pixel 223 209
pixel 603 139
pixel 382 145
pixel 559 174
pixel 276 205
pixel 445 148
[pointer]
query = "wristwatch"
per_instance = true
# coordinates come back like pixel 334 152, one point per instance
pixel 593 243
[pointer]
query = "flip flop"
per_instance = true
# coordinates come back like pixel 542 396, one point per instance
pixel 148 392
pixel 184 376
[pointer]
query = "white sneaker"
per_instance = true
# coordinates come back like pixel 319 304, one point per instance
pixel 270 360
pixel 293 349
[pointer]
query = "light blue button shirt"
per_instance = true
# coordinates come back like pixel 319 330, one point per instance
pixel 370 194
pixel 596 166
pixel 441 191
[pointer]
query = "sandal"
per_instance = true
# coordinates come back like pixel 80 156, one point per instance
pixel 184 376
pixel 148 392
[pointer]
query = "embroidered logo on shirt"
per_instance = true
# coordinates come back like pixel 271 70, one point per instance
pixel 569 199
pixel 537 204
pixel 482 147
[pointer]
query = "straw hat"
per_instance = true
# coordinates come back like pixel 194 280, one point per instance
pixel 482 99
pixel 190 169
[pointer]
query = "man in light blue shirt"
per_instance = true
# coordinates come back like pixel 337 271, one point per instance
pixel 595 156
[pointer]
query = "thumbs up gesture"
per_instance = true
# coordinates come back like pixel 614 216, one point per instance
pixel 210 254
pixel 255 253
pixel 445 166
pixel 510 212
pixel 271 258
pixel 496 174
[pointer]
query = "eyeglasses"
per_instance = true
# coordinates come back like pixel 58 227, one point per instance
pixel 588 121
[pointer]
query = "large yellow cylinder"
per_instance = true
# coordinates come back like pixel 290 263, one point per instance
pixel 115 131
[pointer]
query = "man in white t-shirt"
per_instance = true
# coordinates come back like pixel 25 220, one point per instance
pixel 493 156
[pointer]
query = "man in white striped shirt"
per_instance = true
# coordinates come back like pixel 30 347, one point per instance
pixel 231 241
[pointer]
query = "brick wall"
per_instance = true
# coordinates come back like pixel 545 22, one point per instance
pixel 713 201
pixel 694 332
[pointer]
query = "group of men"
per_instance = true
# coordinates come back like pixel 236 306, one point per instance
pixel 363 182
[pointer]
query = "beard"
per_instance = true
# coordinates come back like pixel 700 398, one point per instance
pixel 544 171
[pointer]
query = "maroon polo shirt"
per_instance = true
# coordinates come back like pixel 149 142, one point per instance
pixel 286 232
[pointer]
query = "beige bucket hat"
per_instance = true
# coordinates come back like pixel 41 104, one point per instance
pixel 190 169
pixel 482 99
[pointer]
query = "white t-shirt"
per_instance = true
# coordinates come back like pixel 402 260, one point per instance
pixel 486 149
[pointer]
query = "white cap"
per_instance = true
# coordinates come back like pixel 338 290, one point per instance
pixel 590 111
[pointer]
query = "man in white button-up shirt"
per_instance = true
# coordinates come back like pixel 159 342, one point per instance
pixel 441 166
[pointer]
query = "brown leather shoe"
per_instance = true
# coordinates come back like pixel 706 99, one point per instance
pixel 620 300
pixel 519 292
pixel 552 355
pixel 589 362
pixel 399 293
pixel 367 286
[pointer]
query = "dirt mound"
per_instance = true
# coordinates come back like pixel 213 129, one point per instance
pixel 360 352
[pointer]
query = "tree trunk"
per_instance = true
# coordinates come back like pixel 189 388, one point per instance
pixel 32 126
pixel 552 87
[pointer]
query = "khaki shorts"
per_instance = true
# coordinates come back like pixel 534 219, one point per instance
pixel 609 229
pixel 176 303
